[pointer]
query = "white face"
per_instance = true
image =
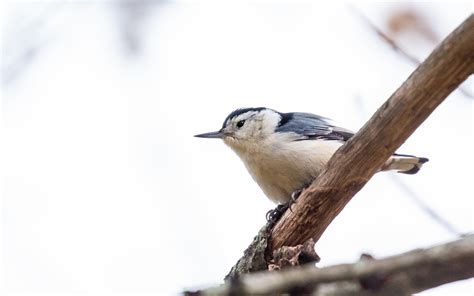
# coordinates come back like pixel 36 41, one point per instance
pixel 245 129
pixel 250 127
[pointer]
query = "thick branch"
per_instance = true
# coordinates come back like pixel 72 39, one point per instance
pixel 361 157
pixel 403 274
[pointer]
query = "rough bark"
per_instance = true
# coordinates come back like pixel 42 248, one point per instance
pixel 254 256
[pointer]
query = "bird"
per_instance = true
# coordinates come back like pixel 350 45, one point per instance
pixel 285 152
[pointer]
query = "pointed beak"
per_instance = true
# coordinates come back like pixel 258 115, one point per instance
pixel 211 135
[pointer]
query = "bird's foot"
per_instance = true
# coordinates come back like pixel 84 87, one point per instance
pixel 294 197
pixel 275 214
pixel 296 194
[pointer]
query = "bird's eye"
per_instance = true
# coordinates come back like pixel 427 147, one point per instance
pixel 240 123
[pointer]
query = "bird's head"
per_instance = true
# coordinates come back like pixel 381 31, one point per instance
pixel 246 126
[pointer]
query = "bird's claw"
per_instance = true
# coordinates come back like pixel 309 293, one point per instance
pixel 276 213
pixel 295 195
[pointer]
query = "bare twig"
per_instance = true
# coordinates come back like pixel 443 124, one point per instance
pixel 402 274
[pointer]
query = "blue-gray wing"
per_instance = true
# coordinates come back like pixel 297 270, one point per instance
pixel 312 127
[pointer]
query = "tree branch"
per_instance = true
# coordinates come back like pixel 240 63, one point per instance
pixel 449 65
pixel 403 274
pixel 361 157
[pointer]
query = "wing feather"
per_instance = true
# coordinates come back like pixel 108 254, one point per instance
pixel 312 127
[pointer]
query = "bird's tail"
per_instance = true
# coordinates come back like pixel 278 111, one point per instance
pixel 406 164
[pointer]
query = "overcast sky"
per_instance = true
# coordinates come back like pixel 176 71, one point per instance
pixel 106 191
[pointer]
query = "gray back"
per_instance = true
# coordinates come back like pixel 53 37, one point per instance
pixel 311 127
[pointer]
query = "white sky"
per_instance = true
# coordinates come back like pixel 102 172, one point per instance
pixel 106 191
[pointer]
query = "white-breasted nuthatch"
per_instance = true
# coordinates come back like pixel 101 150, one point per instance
pixel 285 152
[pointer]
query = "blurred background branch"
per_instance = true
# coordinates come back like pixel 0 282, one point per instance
pixel 408 191
pixel 132 17
pixel 25 38
pixel 405 20
pixel 403 274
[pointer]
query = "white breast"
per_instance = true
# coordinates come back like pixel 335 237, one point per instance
pixel 281 165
